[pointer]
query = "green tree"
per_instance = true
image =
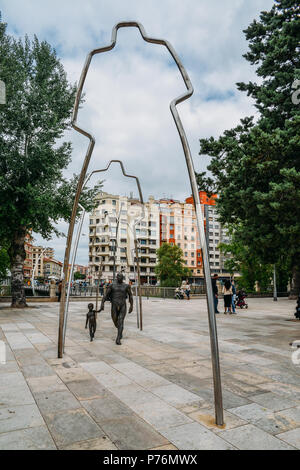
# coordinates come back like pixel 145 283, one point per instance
pixel 4 263
pixel 33 192
pixel 78 275
pixel 170 267
pixel 244 261
pixel 256 167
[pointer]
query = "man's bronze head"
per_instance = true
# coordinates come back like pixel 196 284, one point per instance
pixel 120 278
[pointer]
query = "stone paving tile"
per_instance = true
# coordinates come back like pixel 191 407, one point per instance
pixel 56 401
pixel 28 357
pixel 25 326
pixel 18 341
pixel 15 395
pixel 19 417
pixel 167 447
pixel 102 443
pixel 250 437
pixel 160 415
pixel 247 377
pixel 106 408
pixel 250 412
pixel 273 402
pixel 9 366
pixel 37 370
pixel 9 327
pixel 72 426
pixel 282 389
pixel 113 379
pixel 194 436
pixel 291 437
pixel 98 367
pixel 291 416
pixel 37 438
pixel 206 417
pixel 140 375
pixel 133 394
pixel 86 389
pixel 48 384
pixel 37 338
pixel 71 374
pixel 131 432
pixel 12 379
pixel 176 396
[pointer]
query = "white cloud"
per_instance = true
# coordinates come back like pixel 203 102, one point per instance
pixel 128 90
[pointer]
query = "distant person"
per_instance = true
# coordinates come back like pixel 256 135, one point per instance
pixel 187 290
pixel 215 292
pixel 101 289
pixel 227 291
pixel 233 296
pixel 59 291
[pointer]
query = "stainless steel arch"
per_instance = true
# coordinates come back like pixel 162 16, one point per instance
pixel 65 300
pixel 191 172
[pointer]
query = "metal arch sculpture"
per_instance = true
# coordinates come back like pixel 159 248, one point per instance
pixel 191 172
pixel 64 302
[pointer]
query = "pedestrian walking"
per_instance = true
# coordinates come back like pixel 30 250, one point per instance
pixel 187 290
pixel 215 291
pixel 59 291
pixel 101 289
pixel 227 291
pixel 233 296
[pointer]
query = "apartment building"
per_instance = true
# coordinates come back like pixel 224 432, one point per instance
pixel 178 226
pixel 214 231
pixel 39 253
pixel 52 269
pixel 113 225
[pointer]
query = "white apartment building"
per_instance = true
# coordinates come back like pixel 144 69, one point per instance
pixel 178 226
pixel 112 226
pixel 215 234
pixel 38 255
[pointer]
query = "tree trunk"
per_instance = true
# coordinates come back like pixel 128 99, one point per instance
pixel 295 285
pixel 17 257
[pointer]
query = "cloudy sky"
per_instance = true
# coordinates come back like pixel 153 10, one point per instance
pixel 128 90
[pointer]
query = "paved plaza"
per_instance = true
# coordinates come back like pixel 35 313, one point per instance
pixel 155 391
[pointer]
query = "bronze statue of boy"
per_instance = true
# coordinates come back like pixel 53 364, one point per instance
pixel 117 293
pixel 91 318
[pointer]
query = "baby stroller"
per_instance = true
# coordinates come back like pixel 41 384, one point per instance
pixel 240 302
pixel 178 294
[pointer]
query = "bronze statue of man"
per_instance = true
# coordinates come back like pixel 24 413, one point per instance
pixel 117 293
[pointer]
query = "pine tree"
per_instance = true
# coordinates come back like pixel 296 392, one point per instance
pixel 255 167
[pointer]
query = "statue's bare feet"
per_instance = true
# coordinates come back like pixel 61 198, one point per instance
pixel 91 339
